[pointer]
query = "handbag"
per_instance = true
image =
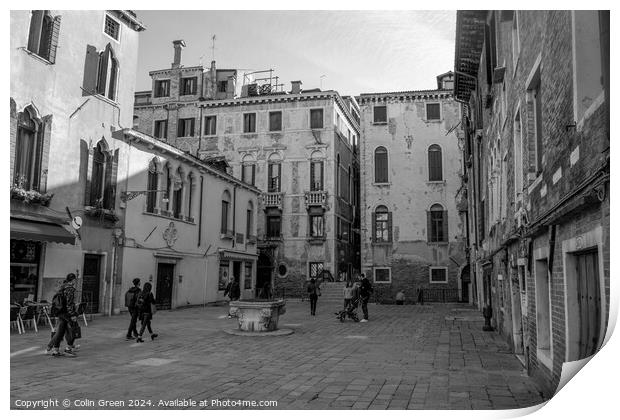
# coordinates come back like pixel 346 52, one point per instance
pixel 75 330
pixel 153 309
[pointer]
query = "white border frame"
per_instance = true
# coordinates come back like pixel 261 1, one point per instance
pixel 120 26
pixel 374 275
pixel 542 253
pixel 437 267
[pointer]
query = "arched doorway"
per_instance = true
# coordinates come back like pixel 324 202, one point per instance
pixel 465 284
pixel 264 275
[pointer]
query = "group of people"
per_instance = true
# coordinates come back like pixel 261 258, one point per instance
pixel 141 305
pixel 361 290
pixel 64 309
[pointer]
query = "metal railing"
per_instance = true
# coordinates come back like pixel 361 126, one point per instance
pixel 440 295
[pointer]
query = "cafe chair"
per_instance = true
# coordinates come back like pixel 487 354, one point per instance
pixel 16 320
pixel 28 314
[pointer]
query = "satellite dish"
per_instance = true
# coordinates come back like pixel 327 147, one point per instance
pixel 76 223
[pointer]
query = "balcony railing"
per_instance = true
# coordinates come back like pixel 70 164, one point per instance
pixel 273 199
pixel 316 198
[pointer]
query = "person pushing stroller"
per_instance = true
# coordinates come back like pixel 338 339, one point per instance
pixel 351 302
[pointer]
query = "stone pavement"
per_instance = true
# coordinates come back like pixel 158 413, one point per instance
pixel 406 357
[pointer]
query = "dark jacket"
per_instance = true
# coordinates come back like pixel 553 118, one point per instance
pixel 235 291
pixel 68 292
pixel 365 288
pixel 147 301
pixel 134 290
pixel 312 289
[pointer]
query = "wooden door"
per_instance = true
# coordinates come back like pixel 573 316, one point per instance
pixel 589 301
pixel 163 290
pixel 91 281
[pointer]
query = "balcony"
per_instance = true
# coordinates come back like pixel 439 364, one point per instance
pixel 272 199
pixel 316 198
pixel 226 234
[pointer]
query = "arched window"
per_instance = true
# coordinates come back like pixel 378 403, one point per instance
pixel 107 73
pixel 274 173
pixel 437 224
pixel 316 171
pixel 435 172
pixel 178 186
pixel 43 34
pixel 28 151
pixel 225 212
pixel 382 221
pixel 381 164
pixel 249 221
pixel 101 185
pixel 152 185
pixel 248 170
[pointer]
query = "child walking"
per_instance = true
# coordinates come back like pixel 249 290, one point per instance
pixel 145 301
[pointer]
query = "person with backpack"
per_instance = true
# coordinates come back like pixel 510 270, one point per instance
pixel 144 303
pixel 131 298
pixel 313 295
pixel 63 307
pixel 365 291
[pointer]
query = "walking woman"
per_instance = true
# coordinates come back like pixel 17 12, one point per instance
pixel 313 294
pixel 145 302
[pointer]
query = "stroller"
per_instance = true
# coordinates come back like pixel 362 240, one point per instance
pixel 350 311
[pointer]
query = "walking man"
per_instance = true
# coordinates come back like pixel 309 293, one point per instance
pixel 63 307
pixel 313 295
pixel 365 291
pixel 130 301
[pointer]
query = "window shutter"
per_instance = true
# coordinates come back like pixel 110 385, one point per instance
pixel 191 130
pixel 85 154
pixel 269 177
pixel 373 236
pixel 44 153
pixel 253 174
pixel 429 227
pixel 34 36
pixel 446 237
pixel 180 128
pixel 53 41
pixel 102 73
pixel 321 169
pixel 90 70
pixel 113 177
pixel 389 225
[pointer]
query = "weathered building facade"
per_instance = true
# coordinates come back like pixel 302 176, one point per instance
pixel 410 170
pixel 299 148
pixel 173 205
pixel 72 85
pixel 536 132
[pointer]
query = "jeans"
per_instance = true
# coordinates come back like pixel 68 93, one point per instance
pixel 61 330
pixel 313 299
pixel 365 306
pixel 146 323
pixel 347 302
pixel 132 324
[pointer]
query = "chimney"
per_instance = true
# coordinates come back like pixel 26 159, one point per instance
pixel 296 86
pixel 179 44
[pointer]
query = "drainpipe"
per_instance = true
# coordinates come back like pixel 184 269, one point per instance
pixel 113 277
pixel 234 212
pixel 200 210
pixel 199 134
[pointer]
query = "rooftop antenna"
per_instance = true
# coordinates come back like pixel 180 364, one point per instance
pixel 213 48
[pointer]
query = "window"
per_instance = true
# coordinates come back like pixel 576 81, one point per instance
pixel 107 73
pixel 210 125
pixel 282 270
pixel 222 86
pixel 273 226
pixel 275 121
pixel 162 88
pixel 249 220
pixel 160 129
pixel 247 280
pixel 223 277
pixel 518 156
pixel 316 226
pixel 248 173
pixel 380 114
pixel 437 224
pixel 316 176
pixel 190 193
pixel 166 197
pixel 102 180
pixel 435 172
pixel 543 313
pixel 490 47
pixel 152 185
pixel 274 172
pixel 315 269
pixel 535 134
pixel 43 35
pixel 249 123
pixel 383 275
pixel 438 274
pixel 189 85
pixel 316 118
pixel 382 229
pixel 516 43
pixel 112 27
pixel 433 111
pixel 381 165
pixel 177 209
pixel 28 151
pixel 186 127
pixel 225 212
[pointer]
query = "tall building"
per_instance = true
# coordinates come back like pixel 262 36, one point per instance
pixel 410 172
pixel 536 131
pixel 298 147
pixel 72 86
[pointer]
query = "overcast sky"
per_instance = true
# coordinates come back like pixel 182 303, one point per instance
pixel 357 51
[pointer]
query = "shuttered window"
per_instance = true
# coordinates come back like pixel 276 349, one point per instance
pixel 161 129
pixel 381 164
pixel 316 226
pixel 316 176
pixel 382 221
pixel 380 114
pixel 437 224
pixel 274 173
pixel 185 127
pixel 189 85
pixel 275 121
pixel 151 187
pixel 316 118
pixel 248 173
pixel 273 226
pixel 249 123
pixel 43 34
pixel 210 125
pixel 225 210
pixel 433 112
pixel 435 172
pixel 162 88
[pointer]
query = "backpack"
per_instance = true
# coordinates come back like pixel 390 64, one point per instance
pixel 140 300
pixel 131 297
pixel 59 304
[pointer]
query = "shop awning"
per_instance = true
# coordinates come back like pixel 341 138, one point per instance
pixel 27 230
pixel 237 255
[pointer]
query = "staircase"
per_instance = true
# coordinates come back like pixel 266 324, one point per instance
pixel 331 292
